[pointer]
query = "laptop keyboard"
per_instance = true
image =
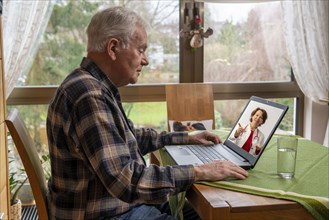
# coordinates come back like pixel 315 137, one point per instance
pixel 206 154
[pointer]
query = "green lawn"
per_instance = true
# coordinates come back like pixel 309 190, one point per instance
pixel 152 114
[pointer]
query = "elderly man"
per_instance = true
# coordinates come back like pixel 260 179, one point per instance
pixel 97 165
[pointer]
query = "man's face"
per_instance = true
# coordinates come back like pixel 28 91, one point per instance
pixel 131 60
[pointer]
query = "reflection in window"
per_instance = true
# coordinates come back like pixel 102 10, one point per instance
pixel 247 44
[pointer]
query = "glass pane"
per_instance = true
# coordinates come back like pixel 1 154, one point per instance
pixel 163 39
pixel 225 118
pixel 147 114
pixel 247 44
pixel 64 43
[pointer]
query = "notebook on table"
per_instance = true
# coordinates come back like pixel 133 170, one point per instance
pixel 244 149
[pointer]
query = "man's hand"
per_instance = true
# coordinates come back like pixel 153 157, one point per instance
pixel 219 170
pixel 204 137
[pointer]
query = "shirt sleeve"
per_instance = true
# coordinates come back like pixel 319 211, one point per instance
pixel 110 150
pixel 150 140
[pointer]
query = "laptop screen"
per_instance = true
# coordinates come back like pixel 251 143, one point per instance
pixel 255 127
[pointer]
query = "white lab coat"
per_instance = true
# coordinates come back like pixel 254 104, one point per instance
pixel 257 139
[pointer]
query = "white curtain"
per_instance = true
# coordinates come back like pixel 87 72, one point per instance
pixel 306 30
pixel 24 23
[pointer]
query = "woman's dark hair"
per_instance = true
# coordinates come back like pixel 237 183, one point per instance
pixel 259 109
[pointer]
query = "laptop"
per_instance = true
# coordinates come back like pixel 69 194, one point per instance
pixel 235 148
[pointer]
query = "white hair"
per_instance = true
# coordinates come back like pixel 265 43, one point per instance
pixel 115 22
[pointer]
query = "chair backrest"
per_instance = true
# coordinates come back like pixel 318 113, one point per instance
pixel 30 159
pixel 190 102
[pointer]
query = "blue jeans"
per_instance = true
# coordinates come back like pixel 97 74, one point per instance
pixel 144 212
pixel 155 212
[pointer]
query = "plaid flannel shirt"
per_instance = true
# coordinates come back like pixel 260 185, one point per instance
pixel 97 163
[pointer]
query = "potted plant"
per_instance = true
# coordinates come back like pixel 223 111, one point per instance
pixel 15 204
pixel 17 178
pixel 17 182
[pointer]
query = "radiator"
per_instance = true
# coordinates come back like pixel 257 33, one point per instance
pixel 29 213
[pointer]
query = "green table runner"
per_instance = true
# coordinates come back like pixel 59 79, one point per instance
pixel 309 187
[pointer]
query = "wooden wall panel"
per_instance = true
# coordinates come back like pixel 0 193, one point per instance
pixel 3 205
pixel 3 156
pixel 3 172
pixel 4 187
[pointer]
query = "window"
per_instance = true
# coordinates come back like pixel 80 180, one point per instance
pixel 247 44
pixel 147 114
pixel 64 43
pixel 245 56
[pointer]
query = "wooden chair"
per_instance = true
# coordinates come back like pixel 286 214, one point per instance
pixel 31 161
pixel 188 102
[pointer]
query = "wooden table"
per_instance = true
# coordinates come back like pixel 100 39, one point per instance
pixel 215 203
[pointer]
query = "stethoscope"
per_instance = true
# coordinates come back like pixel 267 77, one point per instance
pixel 256 137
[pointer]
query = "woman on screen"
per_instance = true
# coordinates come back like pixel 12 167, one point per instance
pixel 249 137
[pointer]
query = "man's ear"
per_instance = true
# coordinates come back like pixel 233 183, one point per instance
pixel 112 47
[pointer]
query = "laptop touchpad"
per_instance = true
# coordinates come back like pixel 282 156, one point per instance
pixel 182 152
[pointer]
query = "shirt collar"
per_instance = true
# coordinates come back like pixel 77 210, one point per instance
pixel 96 72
